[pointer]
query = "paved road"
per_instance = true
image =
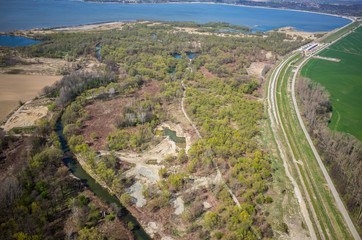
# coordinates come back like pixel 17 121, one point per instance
pixel 274 117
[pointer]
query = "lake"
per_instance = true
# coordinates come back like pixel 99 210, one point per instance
pixel 12 41
pixel 29 14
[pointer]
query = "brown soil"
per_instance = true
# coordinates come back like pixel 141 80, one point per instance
pixel 160 216
pixel 103 113
pixel 20 87
pixel 13 158
pixel 293 33
pixel 38 66
pixel 206 73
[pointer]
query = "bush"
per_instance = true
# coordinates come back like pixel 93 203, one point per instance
pixel 162 172
pixel 268 199
pixel 110 217
pixel 284 227
pixel 126 199
pixel 219 235
pixel 130 225
pixel 182 157
pixel 211 220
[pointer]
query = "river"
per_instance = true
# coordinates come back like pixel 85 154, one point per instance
pixel 97 189
pixel 25 14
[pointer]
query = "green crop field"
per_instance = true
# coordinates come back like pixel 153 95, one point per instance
pixel 343 80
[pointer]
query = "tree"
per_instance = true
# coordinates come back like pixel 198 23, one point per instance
pixel 211 220
pixel 182 156
pixel 162 172
pixel 90 234
pixel 130 225
pixel 126 199
pixel 93 136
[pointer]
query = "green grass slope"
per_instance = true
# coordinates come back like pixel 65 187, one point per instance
pixel 343 80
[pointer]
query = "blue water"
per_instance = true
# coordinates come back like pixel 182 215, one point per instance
pixel 13 41
pixel 29 14
pixel 189 55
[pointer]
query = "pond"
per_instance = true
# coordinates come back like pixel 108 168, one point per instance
pixel 14 41
pixel 180 141
pixel 189 55
pixel 99 47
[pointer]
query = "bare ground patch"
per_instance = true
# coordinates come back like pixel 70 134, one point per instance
pixel 20 87
pixel 28 114
pixel 206 73
pixel 295 34
pixel 13 158
pixel 102 114
pixel 256 69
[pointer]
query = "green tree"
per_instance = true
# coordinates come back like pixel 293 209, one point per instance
pixel 211 220
pixel 90 234
pixel 126 199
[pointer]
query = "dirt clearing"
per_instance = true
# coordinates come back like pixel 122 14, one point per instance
pixel 28 114
pixel 20 87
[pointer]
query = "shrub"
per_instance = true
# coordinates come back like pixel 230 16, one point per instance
pixel 162 172
pixel 126 199
pixel 130 225
pixel 268 199
pixel 211 220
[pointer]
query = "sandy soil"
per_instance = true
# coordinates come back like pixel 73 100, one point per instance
pixel 206 73
pixel 28 114
pixel 20 87
pixel 305 35
pixel 256 69
pixel 194 31
pixel 98 26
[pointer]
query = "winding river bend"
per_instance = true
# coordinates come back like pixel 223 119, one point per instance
pixel 79 172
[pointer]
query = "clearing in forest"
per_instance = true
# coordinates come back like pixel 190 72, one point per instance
pixel 343 80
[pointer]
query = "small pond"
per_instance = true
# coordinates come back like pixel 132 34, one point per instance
pixel 99 47
pixel 189 55
pixel 14 41
pixel 180 141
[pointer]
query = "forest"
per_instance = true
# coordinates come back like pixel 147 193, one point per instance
pixel 221 98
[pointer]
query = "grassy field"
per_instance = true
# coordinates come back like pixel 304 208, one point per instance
pixel 343 80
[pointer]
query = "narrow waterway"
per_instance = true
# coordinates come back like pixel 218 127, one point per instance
pixel 97 189
pixel 99 47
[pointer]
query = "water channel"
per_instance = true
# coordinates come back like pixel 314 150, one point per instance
pixel 77 170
